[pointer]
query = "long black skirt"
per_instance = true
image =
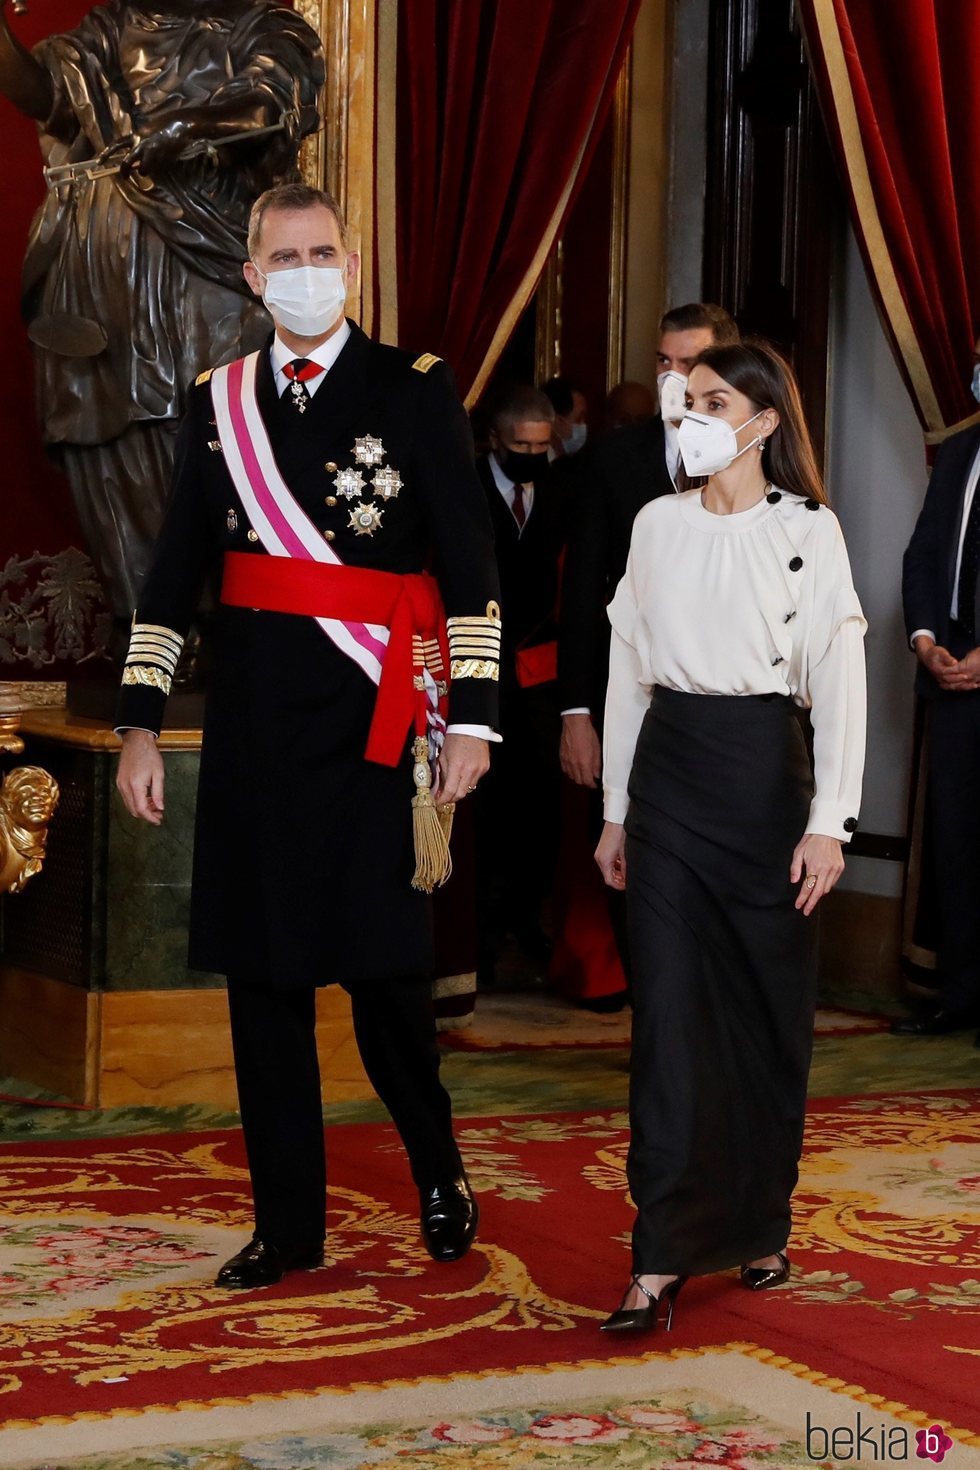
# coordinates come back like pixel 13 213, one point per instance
pixel 724 979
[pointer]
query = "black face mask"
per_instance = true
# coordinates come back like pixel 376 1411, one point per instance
pixel 522 468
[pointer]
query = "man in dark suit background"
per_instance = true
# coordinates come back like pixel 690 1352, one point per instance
pixel 942 618
pixel 517 806
pixel 615 478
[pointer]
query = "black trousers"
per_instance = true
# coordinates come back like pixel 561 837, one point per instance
pixel 724 979
pixel 278 1076
pixel 517 810
pixel 953 724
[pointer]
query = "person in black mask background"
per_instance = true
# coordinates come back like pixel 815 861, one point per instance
pixel 517 807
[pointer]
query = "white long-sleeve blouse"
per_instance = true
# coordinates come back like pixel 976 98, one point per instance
pixel 758 602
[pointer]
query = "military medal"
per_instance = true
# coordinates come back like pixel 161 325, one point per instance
pixel 365 519
pixel 301 396
pixel 214 445
pixel 231 520
pixel 387 482
pixel 368 451
pixel 350 484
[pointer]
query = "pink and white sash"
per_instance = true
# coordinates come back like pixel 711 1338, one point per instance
pixel 280 522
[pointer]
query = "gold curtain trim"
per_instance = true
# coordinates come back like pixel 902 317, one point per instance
pixel 143 674
pixel 860 179
pixel 524 292
pixel 475 668
pixel 386 224
pixel 936 436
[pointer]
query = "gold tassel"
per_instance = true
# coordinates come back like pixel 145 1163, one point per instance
pixel 430 828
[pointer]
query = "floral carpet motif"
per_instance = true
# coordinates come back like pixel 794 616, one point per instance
pixel 672 1430
pixel 42 1265
pixel 884 1294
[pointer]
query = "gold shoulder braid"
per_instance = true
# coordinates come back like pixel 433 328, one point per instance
pixel 474 645
pixel 425 362
pixel 204 377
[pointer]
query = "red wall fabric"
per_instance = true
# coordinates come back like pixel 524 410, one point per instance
pixel 496 101
pixel 911 69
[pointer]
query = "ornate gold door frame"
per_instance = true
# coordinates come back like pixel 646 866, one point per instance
pixel 354 156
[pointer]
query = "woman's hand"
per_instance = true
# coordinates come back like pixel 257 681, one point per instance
pixel 822 860
pixel 611 854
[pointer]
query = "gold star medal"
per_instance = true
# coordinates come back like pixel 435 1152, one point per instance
pixel 350 484
pixel 368 451
pixel 365 519
pixel 387 482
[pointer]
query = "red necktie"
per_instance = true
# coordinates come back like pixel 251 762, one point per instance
pixel 299 372
pixel 520 510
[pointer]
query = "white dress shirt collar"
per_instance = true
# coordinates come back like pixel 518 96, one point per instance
pixel 506 487
pixel 326 355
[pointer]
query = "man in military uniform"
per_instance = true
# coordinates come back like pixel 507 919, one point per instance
pixel 326 474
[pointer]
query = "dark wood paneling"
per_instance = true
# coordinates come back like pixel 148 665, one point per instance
pixel 773 206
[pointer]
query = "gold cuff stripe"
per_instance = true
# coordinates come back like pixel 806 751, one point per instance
pixel 475 622
pixel 154 647
pixel 143 674
pixel 475 668
pixel 474 640
pixel 160 631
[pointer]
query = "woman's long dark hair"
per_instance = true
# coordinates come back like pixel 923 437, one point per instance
pixel 768 381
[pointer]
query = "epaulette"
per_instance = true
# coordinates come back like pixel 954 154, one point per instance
pixel 203 377
pixel 426 361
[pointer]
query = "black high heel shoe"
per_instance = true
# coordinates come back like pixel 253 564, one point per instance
pixel 760 1278
pixel 644 1319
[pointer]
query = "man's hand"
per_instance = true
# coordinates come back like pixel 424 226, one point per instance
pixel 579 750
pixel 611 854
pixel 139 779
pixel 967 672
pixel 462 761
pixel 940 662
pixel 822 860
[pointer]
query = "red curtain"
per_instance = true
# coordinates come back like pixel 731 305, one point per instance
pixel 899 89
pixel 498 105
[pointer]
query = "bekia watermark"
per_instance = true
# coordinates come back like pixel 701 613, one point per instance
pixel 870 1442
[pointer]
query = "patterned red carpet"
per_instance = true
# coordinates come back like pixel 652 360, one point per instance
pixel 107 1250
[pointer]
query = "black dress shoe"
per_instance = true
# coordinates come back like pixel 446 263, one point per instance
pixel 448 1218
pixel 939 1023
pixel 760 1278
pixel 263 1264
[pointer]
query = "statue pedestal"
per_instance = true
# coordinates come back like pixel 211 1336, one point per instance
pixel 96 998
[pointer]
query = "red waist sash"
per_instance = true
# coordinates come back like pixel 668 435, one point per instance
pixel 408 605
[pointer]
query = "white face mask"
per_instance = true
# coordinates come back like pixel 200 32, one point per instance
pixel 577 435
pixel 708 445
pixel 975 385
pixel 672 388
pixel 307 299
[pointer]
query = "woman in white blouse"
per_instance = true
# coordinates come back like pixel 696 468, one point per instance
pixel 737 605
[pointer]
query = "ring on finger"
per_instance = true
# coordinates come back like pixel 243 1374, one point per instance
pixel 811 881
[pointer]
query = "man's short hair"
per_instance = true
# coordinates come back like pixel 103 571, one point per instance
pixel 521 405
pixel 291 197
pixel 559 392
pixel 702 315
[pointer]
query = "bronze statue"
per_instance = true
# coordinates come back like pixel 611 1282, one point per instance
pixel 28 798
pixel 159 124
